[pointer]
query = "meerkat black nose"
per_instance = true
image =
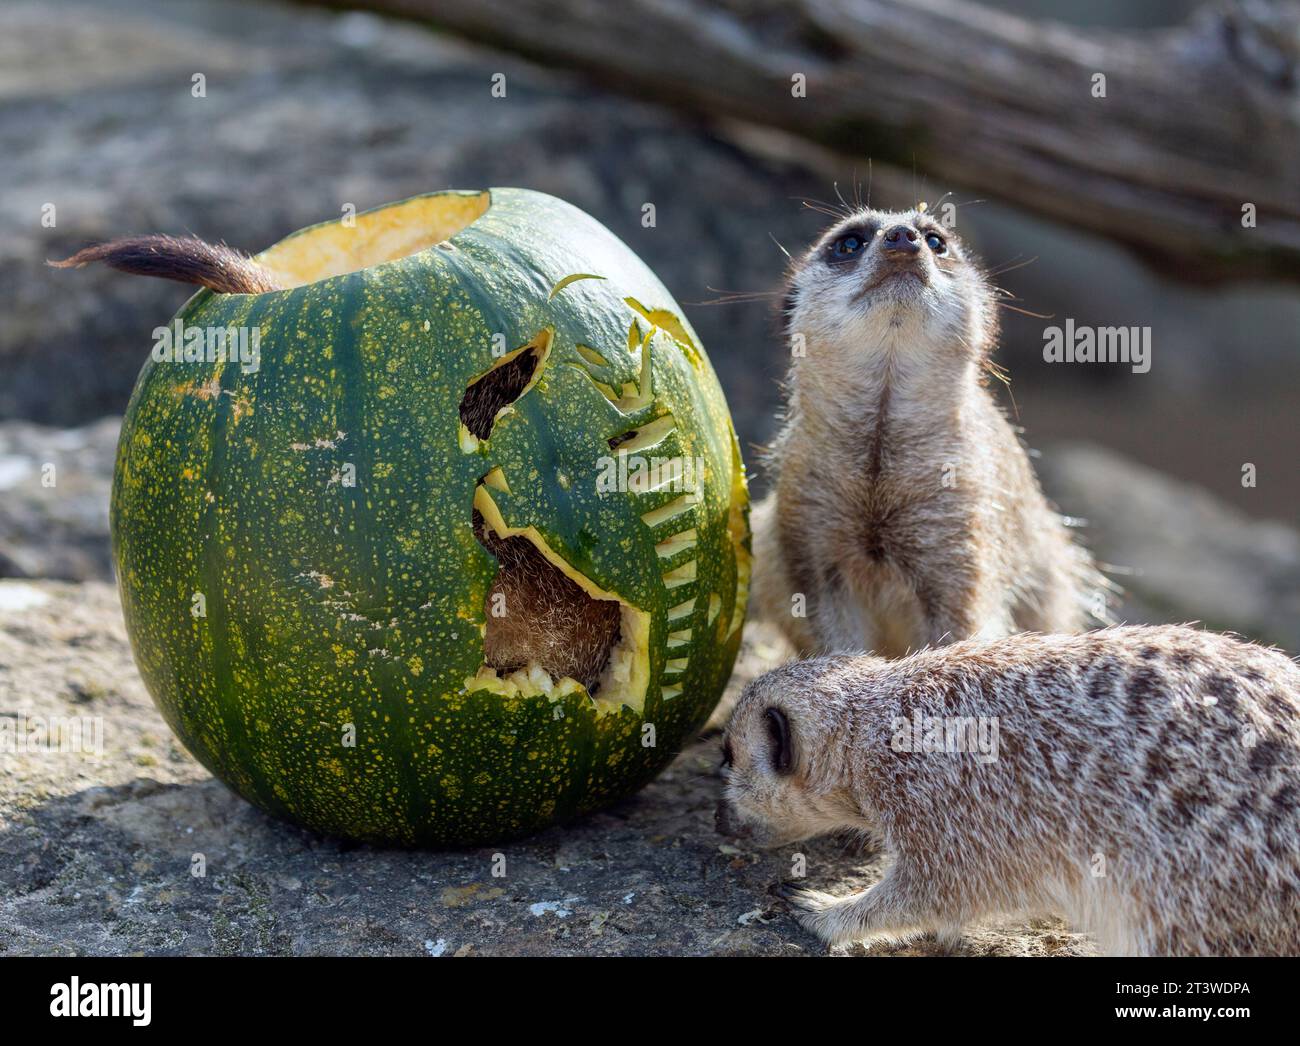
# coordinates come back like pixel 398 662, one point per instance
pixel 903 239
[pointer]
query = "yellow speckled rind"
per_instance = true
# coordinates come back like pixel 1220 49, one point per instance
pixel 317 510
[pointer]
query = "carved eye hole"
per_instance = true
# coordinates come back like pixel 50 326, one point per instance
pixel 778 732
pixel 510 377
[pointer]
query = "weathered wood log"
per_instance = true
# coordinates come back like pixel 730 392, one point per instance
pixel 1198 125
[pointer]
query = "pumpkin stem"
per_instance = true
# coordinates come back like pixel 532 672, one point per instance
pixel 185 259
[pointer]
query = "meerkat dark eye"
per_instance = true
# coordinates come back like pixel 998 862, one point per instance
pixel 935 242
pixel 778 732
pixel 847 245
pixel 727 754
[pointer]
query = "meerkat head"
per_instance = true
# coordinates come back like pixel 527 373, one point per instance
pixel 878 279
pixel 783 757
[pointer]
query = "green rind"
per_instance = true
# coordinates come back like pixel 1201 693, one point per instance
pixel 330 605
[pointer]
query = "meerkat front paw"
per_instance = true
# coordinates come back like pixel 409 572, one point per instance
pixel 818 913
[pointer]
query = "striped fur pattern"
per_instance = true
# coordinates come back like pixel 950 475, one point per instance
pixel 1146 787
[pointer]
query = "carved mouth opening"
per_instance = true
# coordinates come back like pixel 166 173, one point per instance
pixel 550 630
pixel 372 237
pixel 538 618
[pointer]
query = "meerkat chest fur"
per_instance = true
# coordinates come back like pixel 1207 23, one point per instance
pixel 872 480
pixel 883 445
pixel 905 510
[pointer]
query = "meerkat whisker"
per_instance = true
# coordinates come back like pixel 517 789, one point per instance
pixel 779 245
pixel 735 297
pixel 1024 312
pixel 1012 265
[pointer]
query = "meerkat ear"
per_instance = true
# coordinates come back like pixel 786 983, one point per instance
pixel 778 730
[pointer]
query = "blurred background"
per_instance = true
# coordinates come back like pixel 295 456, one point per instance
pixel 309 108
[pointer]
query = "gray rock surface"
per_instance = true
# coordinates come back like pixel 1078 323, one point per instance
pixel 54 490
pixel 98 852
pixel 1180 554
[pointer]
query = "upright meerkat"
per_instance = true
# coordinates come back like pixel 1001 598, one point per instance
pixel 1142 781
pixel 904 510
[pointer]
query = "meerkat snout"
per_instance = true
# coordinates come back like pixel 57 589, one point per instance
pixel 876 271
pixel 771 751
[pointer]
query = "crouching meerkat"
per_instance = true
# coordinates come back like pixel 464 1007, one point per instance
pixel 904 510
pixel 1142 782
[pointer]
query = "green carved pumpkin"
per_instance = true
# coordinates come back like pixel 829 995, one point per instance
pixel 303 534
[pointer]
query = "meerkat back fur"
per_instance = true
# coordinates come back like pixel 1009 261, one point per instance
pixel 1144 783
pixel 904 509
